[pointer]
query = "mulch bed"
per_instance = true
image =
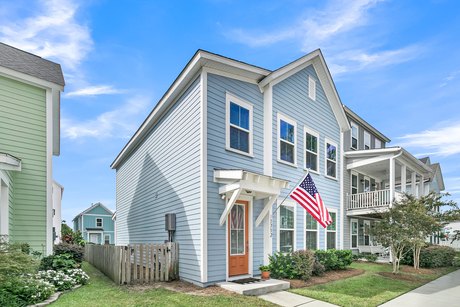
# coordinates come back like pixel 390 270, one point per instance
pixel 327 277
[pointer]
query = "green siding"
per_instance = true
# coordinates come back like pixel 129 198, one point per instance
pixel 23 135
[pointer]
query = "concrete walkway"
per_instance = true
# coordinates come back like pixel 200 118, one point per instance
pixel 444 291
pixel 288 299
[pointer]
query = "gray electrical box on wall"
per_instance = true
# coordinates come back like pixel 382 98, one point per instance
pixel 170 222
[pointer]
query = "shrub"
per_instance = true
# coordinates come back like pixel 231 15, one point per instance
pixel 76 251
pixel 436 256
pixel 318 268
pixel 79 276
pixel 59 279
pixel 58 262
pixel 456 262
pixel 14 262
pixel 8 299
pixel 282 266
pixel 334 259
pixel 368 256
pixel 28 290
pixel 303 263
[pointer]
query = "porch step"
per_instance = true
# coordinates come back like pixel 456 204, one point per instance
pixel 257 288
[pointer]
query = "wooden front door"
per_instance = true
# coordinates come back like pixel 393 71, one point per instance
pixel 238 239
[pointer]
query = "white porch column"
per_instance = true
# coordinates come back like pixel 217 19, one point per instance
pixel 421 187
pixel 392 181
pixel 412 183
pixel 403 178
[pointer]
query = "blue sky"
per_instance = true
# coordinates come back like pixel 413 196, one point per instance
pixel 395 63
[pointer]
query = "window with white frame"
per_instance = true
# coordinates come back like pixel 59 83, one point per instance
pixel 331 159
pixel 286 139
pixel 239 125
pixel 354 183
pixel 354 135
pixel 367 231
pixel 311 232
pixel 331 232
pixel 367 140
pixel 378 143
pixel 106 239
pixel 311 88
pixel 311 150
pixel 354 233
pixel 98 222
pixel 287 223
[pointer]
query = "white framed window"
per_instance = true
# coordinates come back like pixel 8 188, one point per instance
pixel 311 232
pixel 331 159
pixel 287 140
pixel 106 239
pixel 354 183
pixel 354 135
pixel 367 230
pixel 311 157
pixel 378 143
pixel 239 131
pixel 311 88
pixel 367 140
pixel 366 184
pixel 99 222
pixel 354 233
pixel 286 226
pixel 331 231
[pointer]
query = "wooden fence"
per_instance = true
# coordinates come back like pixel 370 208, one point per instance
pixel 137 263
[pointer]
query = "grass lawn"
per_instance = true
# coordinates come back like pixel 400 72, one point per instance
pixel 371 288
pixel 103 292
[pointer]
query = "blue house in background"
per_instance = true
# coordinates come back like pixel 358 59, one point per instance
pixel 96 224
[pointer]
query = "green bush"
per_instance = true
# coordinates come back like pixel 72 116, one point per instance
pixel 28 290
pixel 436 256
pixel 318 268
pixel 368 256
pixel 456 262
pixel 282 266
pixel 58 262
pixel 303 263
pixel 8 299
pixel 76 251
pixel 14 262
pixel 334 259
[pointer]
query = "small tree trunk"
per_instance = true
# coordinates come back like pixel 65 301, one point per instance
pixel 414 256
pixel 419 249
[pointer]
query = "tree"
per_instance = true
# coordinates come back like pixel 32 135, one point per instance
pixel 70 236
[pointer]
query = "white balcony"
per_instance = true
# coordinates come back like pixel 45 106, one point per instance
pixel 371 202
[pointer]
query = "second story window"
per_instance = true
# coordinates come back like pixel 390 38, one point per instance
pixel 367 140
pixel 378 143
pixel 354 136
pixel 98 222
pixel 311 150
pixel 286 140
pixel 331 160
pixel 239 125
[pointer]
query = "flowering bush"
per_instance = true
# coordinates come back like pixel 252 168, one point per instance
pixel 59 279
pixel 28 290
pixel 79 276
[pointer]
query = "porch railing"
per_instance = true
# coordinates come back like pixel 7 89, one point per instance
pixel 369 200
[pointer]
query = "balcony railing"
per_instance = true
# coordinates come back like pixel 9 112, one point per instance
pixel 371 200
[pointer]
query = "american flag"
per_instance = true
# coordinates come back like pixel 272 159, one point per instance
pixel 306 195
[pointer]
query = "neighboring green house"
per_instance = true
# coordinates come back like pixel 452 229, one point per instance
pixel 30 88
pixel 96 224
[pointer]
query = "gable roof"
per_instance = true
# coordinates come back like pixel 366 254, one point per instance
pixel 425 160
pixel 356 118
pixel 437 172
pixel 91 208
pixel 30 64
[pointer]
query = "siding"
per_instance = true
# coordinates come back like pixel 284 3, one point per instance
pixel 218 157
pixel 23 135
pixel 290 98
pixel 162 176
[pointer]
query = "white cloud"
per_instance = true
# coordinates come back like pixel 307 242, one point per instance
pixel 53 33
pixel 452 76
pixel 95 91
pixel 118 123
pixel 443 141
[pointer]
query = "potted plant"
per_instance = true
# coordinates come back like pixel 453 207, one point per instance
pixel 265 269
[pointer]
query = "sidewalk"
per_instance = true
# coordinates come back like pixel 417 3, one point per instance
pixel 288 299
pixel 444 291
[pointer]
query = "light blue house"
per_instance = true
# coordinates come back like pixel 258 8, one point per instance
pixel 96 224
pixel 221 150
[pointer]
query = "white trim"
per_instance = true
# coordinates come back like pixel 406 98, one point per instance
pixel 278 147
pixel 107 234
pixel 337 153
pixel 305 231
pixel 102 222
pixel 354 125
pixel 375 143
pixel 229 97
pixel 351 233
pixel 287 203
pixel 268 131
pixel 367 138
pixel 268 239
pixel 230 75
pixel 93 214
pixel 13 74
pixel 336 227
pixel 315 134
pixel 4 205
pixel 368 222
pixel 311 88
pixel 354 173
pixel 342 193
pixel 88 235
pixel 49 172
pixel 204 175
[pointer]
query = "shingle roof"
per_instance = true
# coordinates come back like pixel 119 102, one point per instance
pixel 30 64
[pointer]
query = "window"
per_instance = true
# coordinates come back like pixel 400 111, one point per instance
pixel 354 233
pixel 311 232
pixel 331 160
pixel 286 220
pixel 286 140
pixel 311 150
pixel 354 136
pixel 106 239
pixel 378 143
pixel 98 222
pixel 239 125
pixel 367 230
pixel 367 184
pixel 237 220
pixel 367 140
pixel 311 88
pixel 354 184
pixel 331 232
